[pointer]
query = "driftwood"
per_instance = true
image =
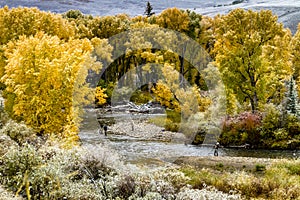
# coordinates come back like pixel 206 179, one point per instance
pixel 148 108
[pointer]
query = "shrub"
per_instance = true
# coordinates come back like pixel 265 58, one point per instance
pixel 270 121
pixel 6 195
pixel 54 173
pixel 205 194
pixel 279 181
pixel 283 180
pixel 126 187
pixel 259 168
pixel 17 166
pixel 3 117
pixel 18 132
pixel 6 143
pixel 171 126
pixel 241 129
pixel 293 125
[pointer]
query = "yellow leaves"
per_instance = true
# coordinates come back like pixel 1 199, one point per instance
pixel 252 53
pixel 102 49
pixel 100 95
pixel 295 45
pixel 174 19
pixel 28 21
pixel 186 100
pixel 142 24
pixel 41 71
pixel 163 94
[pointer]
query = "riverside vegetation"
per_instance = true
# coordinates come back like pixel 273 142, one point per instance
pixel 45 55
pixel 39 168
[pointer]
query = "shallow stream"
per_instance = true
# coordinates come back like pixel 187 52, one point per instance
pixel 139 151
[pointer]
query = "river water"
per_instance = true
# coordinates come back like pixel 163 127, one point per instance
pixel 137 150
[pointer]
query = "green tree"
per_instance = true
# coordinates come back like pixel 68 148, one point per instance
pixel 253 55
pixel 292 98
pixel 148 12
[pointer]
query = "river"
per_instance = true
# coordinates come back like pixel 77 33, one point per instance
pixel 138 151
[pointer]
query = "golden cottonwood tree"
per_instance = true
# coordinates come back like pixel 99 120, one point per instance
pixel 41 72
pixel 253 55
pixel 89 27
pixel 28 21
pixel 174 19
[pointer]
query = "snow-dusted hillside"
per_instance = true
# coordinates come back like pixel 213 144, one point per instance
pixel 288 11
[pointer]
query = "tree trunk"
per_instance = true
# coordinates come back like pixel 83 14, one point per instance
pixel 254 102
pixel 181 59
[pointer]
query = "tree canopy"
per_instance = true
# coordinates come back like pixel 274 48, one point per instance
pixel 41 71
pixel 253 55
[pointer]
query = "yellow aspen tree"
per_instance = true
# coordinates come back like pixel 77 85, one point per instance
pixel 29 21
pixel 84 93
pixel 41 72
pixel 16 22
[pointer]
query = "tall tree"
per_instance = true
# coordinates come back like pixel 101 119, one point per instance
pixel 148 12
pixel 40 69
pixel 292 105
pixel 253 55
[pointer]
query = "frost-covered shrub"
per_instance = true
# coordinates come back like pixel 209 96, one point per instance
pixel 17 164
pixel 148 196
pixel 3 117
pixel 126 187
pixel 6 143
pixel 18 132
pixel 6 195
pixel 176 178
pixel 82 189
pixel 162 183
pixel 103 154
pixel 54 173
pixel 205 194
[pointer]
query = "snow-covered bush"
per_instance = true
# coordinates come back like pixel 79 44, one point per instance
pixel 205 194
pixel 18 132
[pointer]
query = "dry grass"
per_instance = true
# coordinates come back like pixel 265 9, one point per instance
pixel 280 180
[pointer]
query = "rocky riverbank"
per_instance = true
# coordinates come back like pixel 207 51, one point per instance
pixel 145 131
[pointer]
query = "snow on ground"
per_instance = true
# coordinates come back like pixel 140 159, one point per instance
pixel 287 10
